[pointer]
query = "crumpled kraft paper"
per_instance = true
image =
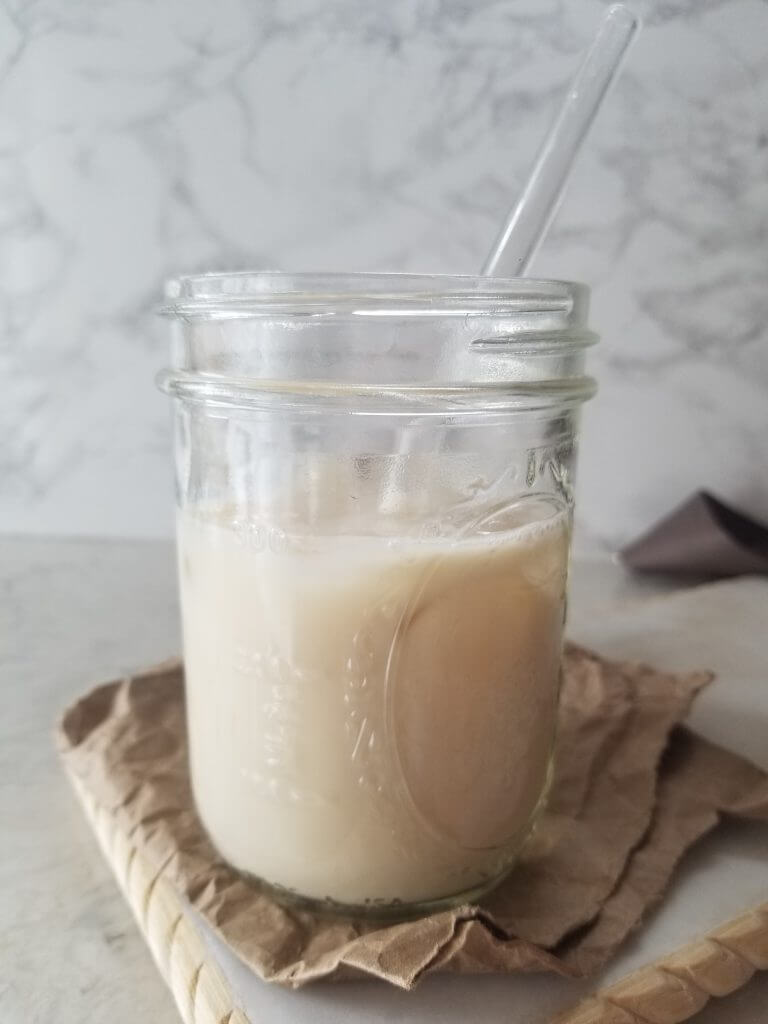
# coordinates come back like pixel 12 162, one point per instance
pixel 631 793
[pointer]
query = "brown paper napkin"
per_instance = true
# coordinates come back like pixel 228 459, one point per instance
pixel 631 793
pixel 703 537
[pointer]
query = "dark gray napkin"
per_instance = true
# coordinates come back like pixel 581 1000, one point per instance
pixel 703 537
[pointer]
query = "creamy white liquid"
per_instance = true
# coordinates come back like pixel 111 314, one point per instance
pixel 369 720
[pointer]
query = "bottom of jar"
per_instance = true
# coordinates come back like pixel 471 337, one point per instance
pixel 399 910
pixel 374 910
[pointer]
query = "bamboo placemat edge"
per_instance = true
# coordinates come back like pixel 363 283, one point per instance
pixel 680 984
pixel 199 988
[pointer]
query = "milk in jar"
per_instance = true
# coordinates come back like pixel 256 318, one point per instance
pixel 371 718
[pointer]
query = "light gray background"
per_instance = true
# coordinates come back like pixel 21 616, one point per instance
pixel 140 138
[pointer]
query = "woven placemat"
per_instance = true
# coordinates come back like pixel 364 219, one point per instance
pixel 199 988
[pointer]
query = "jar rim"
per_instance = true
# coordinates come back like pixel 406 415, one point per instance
pixel 387 343
pixel 249 293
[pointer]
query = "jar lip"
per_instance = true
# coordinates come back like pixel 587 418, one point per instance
pixel 408 294
pixel 409 342
pixel 458 401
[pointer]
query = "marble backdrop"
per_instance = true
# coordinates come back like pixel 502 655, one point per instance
pixel 140 138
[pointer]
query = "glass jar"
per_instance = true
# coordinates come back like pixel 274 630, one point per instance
pixel 374 481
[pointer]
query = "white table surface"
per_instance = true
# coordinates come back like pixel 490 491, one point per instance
pixel 74 612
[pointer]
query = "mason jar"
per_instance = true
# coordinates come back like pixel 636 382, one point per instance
pixel 374 476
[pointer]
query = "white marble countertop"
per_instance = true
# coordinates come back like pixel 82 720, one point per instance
pixel 75 612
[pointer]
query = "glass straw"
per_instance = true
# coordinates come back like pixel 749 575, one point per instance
pixel 530 218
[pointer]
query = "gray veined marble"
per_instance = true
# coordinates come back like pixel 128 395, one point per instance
pixel 138 140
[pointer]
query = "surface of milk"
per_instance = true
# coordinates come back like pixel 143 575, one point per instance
pixel 371 719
